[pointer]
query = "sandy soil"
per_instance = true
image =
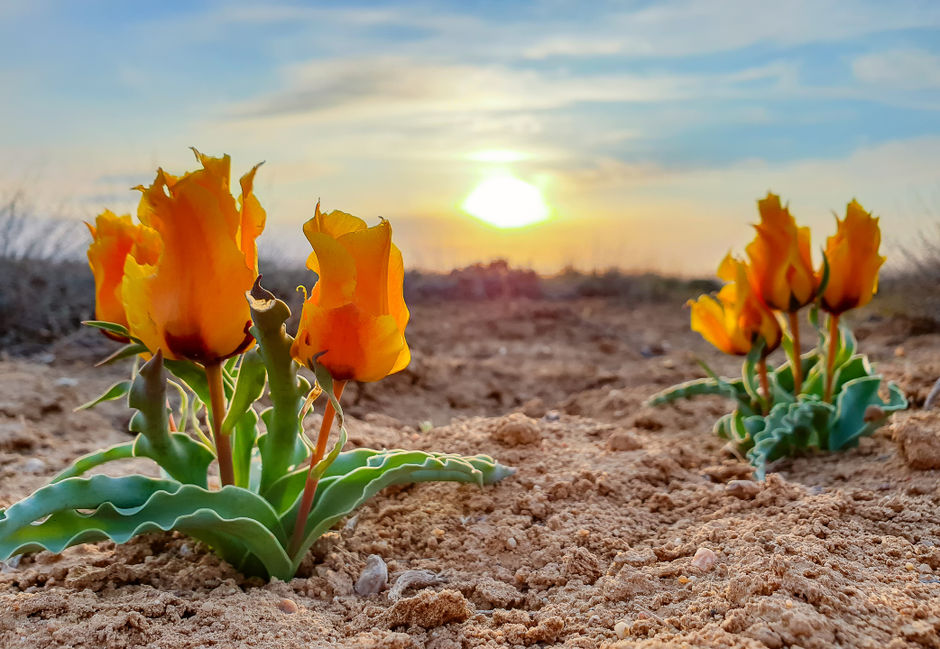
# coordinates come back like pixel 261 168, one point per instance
pixel 623 527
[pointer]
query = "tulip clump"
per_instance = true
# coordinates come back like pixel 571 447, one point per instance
pixel 825 399
pixel 181 290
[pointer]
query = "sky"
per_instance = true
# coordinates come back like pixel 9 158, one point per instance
pixel 650 129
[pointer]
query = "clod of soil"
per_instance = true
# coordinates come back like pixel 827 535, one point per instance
pixel 919 436
pixel 517 429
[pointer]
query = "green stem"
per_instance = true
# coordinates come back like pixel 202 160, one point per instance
pixel 310 486
pixel 833 347
pixel 223 447
pixel 796 360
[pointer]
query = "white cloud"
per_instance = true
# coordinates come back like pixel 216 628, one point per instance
pixel 904 69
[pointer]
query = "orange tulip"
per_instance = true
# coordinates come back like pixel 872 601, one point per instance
pixel 356 314
pixel 781 263
pixel 737 318
pixel 854 261
pixel 190 302
pixel 113 239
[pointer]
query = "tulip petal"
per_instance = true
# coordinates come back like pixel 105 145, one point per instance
pixel 357 345
pixel 252 219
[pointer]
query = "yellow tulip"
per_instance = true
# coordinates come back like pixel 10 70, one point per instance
pixel 113 239
pixel 356 313
pixel 781 264
pixel 737 318
pixel 190 302
pixel 854 261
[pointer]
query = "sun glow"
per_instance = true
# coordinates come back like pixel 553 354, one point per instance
pixel 506 202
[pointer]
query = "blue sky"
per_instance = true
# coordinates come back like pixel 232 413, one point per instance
pixel 650 127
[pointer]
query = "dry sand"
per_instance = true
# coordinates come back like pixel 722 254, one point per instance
pixel 624 526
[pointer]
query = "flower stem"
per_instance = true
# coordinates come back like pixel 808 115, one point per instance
pixel 310 486
pixel 831 364
pixel 223 447
pixel 797 361
pixel 764 383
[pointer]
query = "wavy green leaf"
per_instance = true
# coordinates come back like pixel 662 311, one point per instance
pixel 116 391
pixel 347 492
pixel 91 460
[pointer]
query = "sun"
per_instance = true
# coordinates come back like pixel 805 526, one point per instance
pixel 506 202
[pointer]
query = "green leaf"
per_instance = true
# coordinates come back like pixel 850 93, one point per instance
pixel 698 387
pixel 128 350
pixel 116 391
pixel 110 327
pixel 233 521
pixel 789 428
pixel 180 456
pixel 852 418
pixel 749 376
pixel 243 442
pixel 192 375
pixel 91 460
pixel 347 492
pixel 248 388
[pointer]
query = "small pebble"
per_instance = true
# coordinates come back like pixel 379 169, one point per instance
pixel 684 580
pixel 66 382
pixel 34 465
pixel 511 543
pixel 621 629
pixel 704 559
pixel 743 489
pixel 412 579
pixel 438 532
pixel 288 606
pixel 909 566
pixel 374 576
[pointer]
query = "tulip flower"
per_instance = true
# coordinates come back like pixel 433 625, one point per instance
pixel 852 255
pixel 113 239
pixel 737 318
pixel 782 268
pixel 190 303
pixel 781 264
pixel 353 323
pixel 853 260
pixel 356 314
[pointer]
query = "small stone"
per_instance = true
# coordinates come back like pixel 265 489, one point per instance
pixel 374 576
pixel 517 430
pixel 412 579
pixel 65 382
pixel 34 465
pixel 552 415
pixel 704 559
pixel 288 606
pixel 909 567
pixel 743 489
pixel 683 579
pixel 534 408
pixel 621 629
pixel 511 543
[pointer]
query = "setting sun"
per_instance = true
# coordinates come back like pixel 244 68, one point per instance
pixel 506 202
